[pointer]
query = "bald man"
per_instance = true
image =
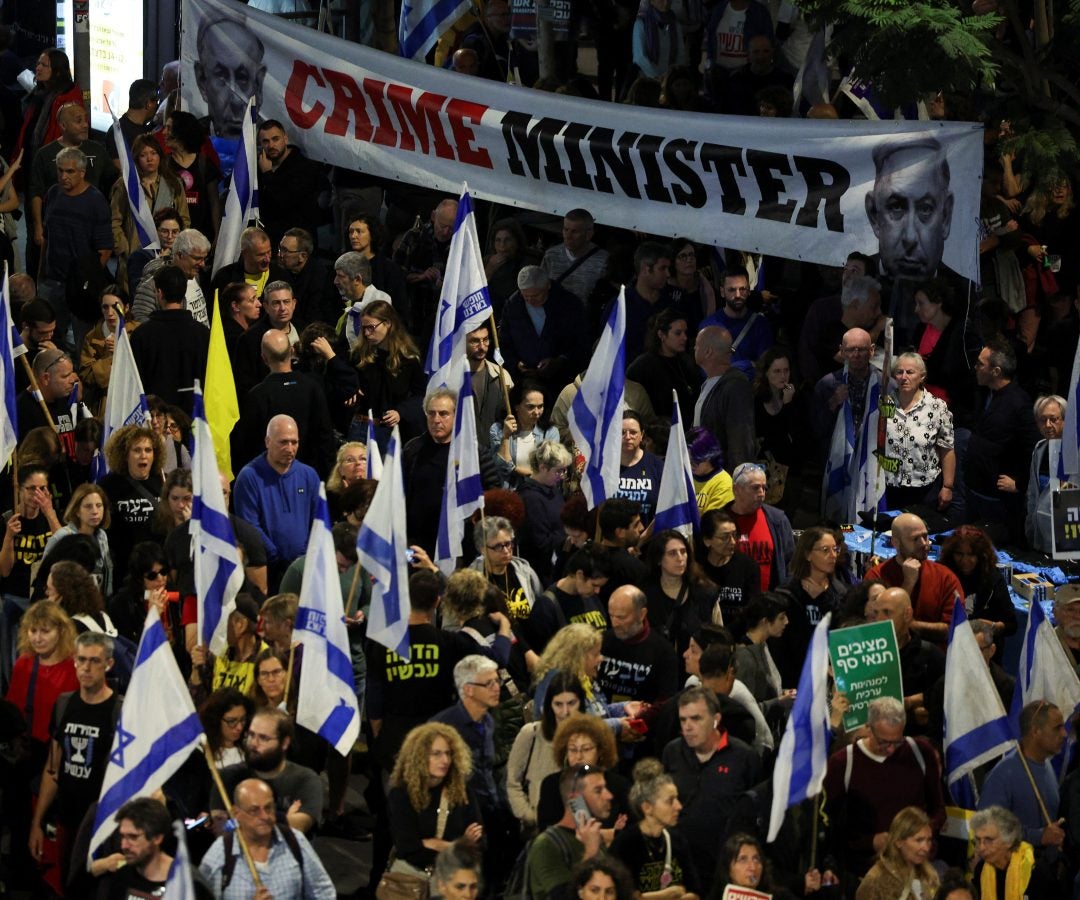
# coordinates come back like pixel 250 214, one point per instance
pixel 725 405
pixel 277 493
pixel 921 662
pixel 931 586
pixel 852 381
pixel 297 395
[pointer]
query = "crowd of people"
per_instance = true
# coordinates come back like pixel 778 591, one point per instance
pixel 592 705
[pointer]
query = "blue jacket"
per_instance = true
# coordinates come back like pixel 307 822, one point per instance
pixel 281 507
pixel 565 333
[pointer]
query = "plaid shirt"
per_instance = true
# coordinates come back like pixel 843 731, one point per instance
pixel 280 874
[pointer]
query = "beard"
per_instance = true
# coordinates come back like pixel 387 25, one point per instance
pixel 266 761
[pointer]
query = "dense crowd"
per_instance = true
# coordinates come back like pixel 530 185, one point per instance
pixel 592 706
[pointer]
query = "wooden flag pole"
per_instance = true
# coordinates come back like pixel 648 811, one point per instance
pixel 208 755
pixel 37 392
pixel 502 381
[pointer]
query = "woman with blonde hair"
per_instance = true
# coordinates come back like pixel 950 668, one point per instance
pixel 350 467
pixel 575 650
pixel 902 869
pixel 392 380
pixel 429 803
pixel 88 513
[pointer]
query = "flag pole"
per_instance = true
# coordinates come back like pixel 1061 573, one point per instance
pixel 816 803
pixel 289 670
pixel 502 368
pixel 208 755
pixel 1034 787
pixel 37 392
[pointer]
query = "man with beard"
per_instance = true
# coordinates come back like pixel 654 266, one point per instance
pixel 290 184
pixel 751 333
pixel 143 824
pixel 268 739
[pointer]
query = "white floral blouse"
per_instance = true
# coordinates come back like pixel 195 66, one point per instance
pixel 914 437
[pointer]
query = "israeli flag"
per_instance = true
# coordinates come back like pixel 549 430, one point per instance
pixel 463 492
pixel 374 457
pixel 218 571
pixel 464 304
pixel 595 416
pixel 179 884
pixel 242 200
pixel 381 546
pixel 676 505
pixel 423 22
pixel 804 750
pixel 812 81
pixel 326 703
pixel 9 422
pixel 1069 460
pixel 125 404
pixel 1045 673
pixel 837 495
pixel 868 475
pixel 976 726
pixel 141 214
pixel 156 733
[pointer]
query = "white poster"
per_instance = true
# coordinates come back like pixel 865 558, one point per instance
pixel 808 189
pixel 116 57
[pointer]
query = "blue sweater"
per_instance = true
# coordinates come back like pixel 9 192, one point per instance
pixel 281 507
pixel 1008 785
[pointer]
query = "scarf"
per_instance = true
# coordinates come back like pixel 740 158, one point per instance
pixel 1017 875
pixel 655 21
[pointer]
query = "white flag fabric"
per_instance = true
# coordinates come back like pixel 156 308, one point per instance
pixel 179 884
pixel 463 492
pixel 1046 672
pixel 976 725
pixel 242 200
pixel 464 304
pixel 326 703
pixel 142 216
pixel 125 404
pixel 423 22
pixel 374 457
pixel 219 574
pixel 157 730
pixel 595 416
pixel 1070 436
pixel 676 504
pixel 9 436
pixel 804 750
pixel 381 546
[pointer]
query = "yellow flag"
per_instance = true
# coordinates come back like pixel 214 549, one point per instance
pixel 219 393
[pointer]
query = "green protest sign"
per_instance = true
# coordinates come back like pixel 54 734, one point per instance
pixel 866 665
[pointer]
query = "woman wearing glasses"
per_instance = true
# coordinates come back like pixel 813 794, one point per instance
pixel 814 590
pixel 392 380
pixel 224 715
pixel 145 584
pixel 96 353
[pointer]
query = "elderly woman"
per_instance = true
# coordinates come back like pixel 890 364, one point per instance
pixel 583 740
pixel 429 802
pixel 512 575
pixel 457 872
pixel 920 436
pixel 1005 858
pixel 190 251
pixel 542 534
pixel 135 455
pixel 665 365
pixel 1042 482
pixel 903 869
pixel 96 354
pixel 575 650
pixel 531 759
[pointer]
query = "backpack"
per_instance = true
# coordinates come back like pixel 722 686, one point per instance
pixel 517 884
pixel 230 858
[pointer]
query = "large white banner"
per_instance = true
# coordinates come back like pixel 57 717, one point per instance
pixel 803 189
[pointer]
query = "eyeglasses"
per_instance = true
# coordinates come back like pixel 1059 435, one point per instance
pixel 370 329
pixel 494 682
pixel 581 748
pixel 832 551
pixel 884 743
pixel 285 251
pixel 154 574
pixel 233 721
pixel 276 673
pixel 501 547
pixel 725 536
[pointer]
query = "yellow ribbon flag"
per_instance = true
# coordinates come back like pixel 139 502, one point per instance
pixel 219 393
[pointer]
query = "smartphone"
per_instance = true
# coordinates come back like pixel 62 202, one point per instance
pixel 580 810
pixel 410 555
pixel 195 823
